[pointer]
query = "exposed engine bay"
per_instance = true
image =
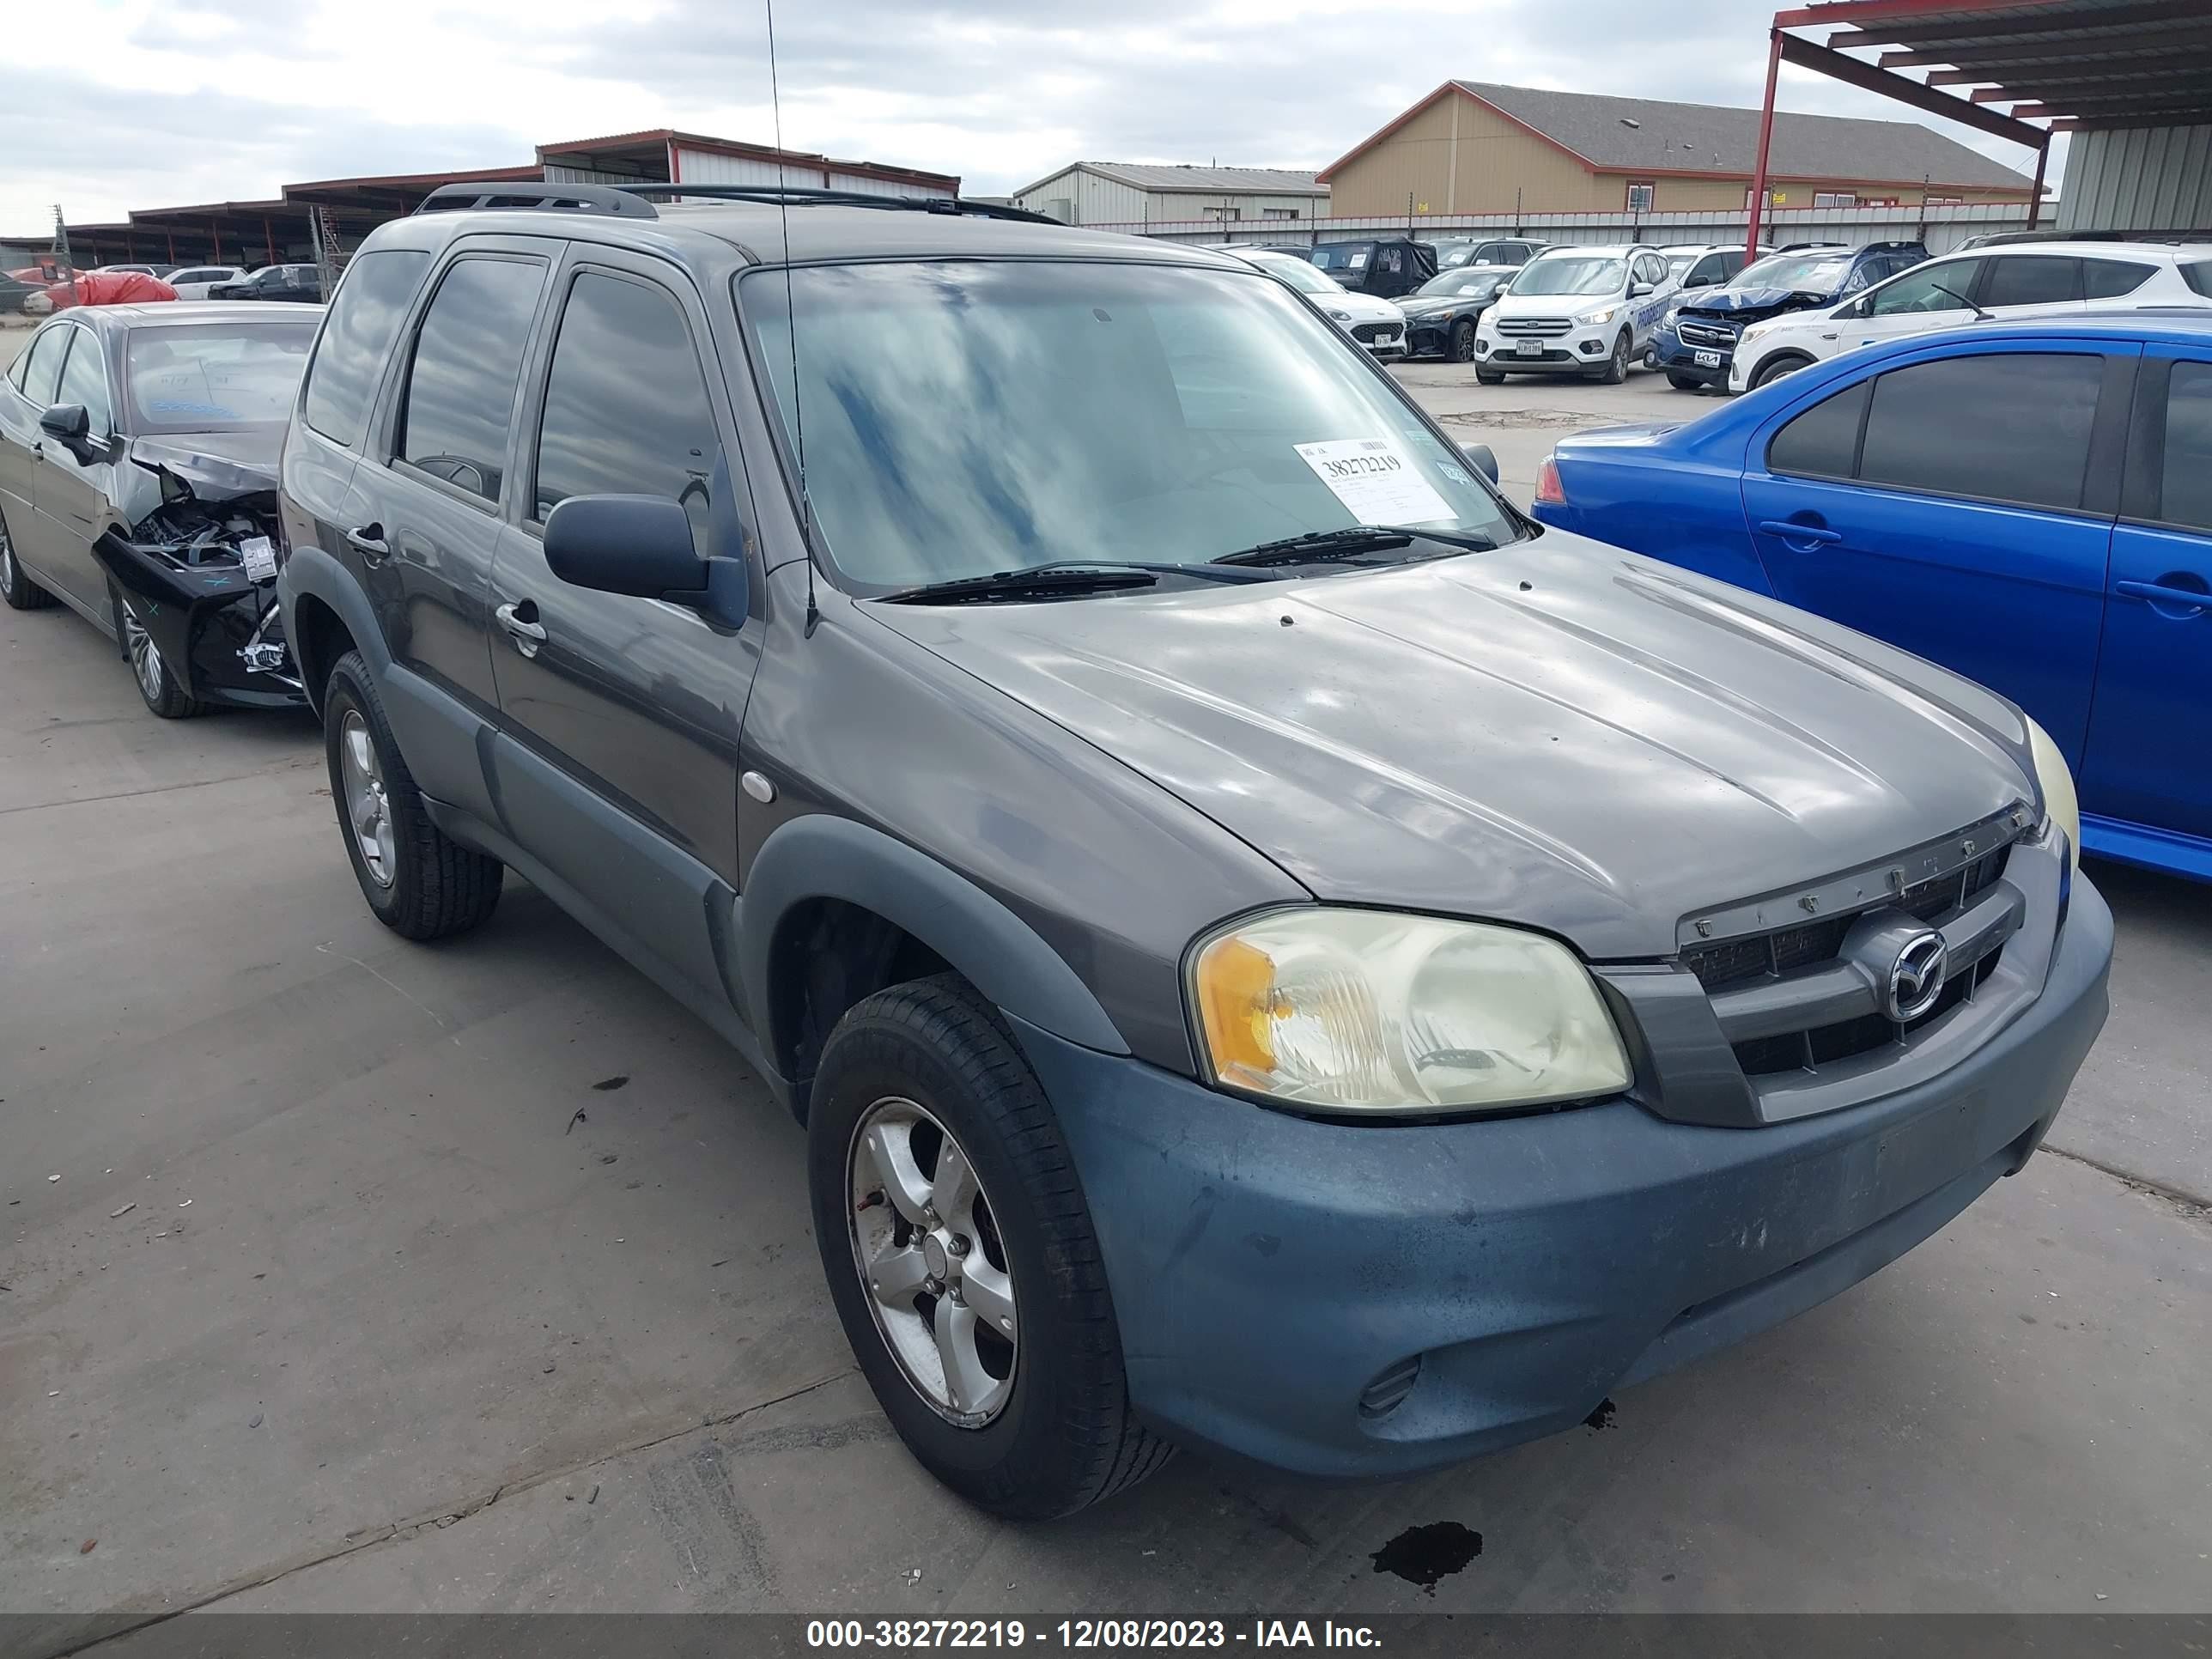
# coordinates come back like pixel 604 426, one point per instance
pixel 199 574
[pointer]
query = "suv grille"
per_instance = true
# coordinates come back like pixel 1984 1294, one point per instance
pixel 1535 327
pixel 1797 952
pixel 1705 333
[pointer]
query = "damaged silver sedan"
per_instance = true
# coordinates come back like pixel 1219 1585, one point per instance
pixel 138 449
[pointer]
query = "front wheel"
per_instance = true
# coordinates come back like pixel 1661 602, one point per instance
pixel 962 1258
pixel 1462 342
pixel 15 584
pixel 159 688
pixel 1776 367
pixel 1615 371
pixel 1682 382
pixel 1489 377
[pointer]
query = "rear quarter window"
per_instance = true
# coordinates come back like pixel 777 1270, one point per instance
pixel 373 300
pixel 2198 275
pixel 2108 279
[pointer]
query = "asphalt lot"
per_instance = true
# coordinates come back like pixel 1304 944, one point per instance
pixel 345 1274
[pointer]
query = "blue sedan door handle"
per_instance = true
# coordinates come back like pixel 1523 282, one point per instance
pixel 2193 601
pixel 1817 535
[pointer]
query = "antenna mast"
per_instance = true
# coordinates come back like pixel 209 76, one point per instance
pixel 790 319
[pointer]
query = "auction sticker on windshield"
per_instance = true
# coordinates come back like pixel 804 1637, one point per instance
pixel 1375 480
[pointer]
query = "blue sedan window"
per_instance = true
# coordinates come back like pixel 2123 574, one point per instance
pixel 1824 441
pixel 1999 426
pixel 2186 496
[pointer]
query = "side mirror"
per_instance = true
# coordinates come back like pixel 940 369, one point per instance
pixel 70 426
pixel 1498 288
pixel 641 545
pixel 1482 458
pixel 1638 290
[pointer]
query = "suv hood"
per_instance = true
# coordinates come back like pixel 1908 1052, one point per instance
pixel 1553 305
pixel 1748 305
pixel 1558 734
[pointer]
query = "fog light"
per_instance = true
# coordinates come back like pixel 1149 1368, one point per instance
pixel 1591 348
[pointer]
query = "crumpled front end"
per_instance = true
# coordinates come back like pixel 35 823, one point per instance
pixel 199 574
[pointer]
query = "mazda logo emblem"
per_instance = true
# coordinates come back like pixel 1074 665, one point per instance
pixel 1916 978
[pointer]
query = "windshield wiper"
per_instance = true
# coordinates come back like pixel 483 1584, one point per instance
pixel 1319 546
pixel 1061 576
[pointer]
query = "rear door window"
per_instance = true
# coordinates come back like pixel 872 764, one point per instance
pixel 2003 426
pixel 2032 279
pixel 2108 279
pixel 459 398
pixel 371 302
pixel 626 405
pixel 1946 287
pixel 1824 441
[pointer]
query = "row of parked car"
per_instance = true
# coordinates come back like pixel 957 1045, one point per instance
pixel 47 285
pixel 1260 932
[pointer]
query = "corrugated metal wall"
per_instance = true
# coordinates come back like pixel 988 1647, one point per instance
pixel 707 166
pixel 588 176
pixel 875 186
pixel 2139 179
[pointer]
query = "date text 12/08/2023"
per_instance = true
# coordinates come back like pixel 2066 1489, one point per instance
pixel 894 1635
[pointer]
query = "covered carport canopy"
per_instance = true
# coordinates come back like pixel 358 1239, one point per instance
pixel 2004 66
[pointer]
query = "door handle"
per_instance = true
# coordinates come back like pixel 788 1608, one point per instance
pixel 368 542
pixel 2159 593
pixel 1790 531
pixel 523 630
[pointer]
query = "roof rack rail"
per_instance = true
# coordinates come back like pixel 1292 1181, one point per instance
pixel 795 196
pixel 564 198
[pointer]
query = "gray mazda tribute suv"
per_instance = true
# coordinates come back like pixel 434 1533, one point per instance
pixel 1271 950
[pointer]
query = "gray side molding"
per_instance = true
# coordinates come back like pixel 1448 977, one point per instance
pixel 820 856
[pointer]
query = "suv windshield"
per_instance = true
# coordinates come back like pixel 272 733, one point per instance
pixel 222 376
pixel 1571 273
pixel 966 417
pixel 1812 273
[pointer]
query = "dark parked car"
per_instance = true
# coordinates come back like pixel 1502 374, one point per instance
pixel 2029 503
pixel 1695 345
pixel 1384 266
pixel 1508 253
pixel 1269 951
pixel 299 284
pixel 1441 315
pixel 138 485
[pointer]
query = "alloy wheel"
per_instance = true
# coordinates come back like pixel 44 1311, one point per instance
pixel 928 1251
pixel 145 656
pixel 367 810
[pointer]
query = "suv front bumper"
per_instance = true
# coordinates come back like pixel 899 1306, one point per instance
pixel 1276 1278
pixel 1585 346
pixel 1708 364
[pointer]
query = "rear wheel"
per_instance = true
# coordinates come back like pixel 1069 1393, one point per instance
pixel 16 587
pixel 159 688
pixel 962 1258
pixel 419 882
pixel 1775 367
pixel 1462 342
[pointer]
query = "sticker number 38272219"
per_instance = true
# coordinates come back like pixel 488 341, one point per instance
pixel 1376 480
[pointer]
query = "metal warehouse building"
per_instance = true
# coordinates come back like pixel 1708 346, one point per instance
pixel 1127 194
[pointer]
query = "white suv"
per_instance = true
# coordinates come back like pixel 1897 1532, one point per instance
pixel 2032 279
pixel 1377 325
pixel 1587 309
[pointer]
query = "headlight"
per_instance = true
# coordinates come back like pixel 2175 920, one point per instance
pixel 1752 330
pixel 1369 1010
pixel 1604 316
pixel 2059 801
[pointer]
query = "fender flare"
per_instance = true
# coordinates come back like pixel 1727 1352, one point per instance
pixel 310 572
pixel 822 856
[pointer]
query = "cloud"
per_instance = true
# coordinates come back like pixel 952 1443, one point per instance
pixel 139 104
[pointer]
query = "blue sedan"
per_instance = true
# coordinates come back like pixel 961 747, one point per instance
pixel 2029 504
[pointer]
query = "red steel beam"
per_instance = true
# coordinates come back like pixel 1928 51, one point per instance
pixel 1777 42
pixel 1850 70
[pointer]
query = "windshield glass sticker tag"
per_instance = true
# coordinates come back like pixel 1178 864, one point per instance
pixel 1375 481
pixel 259 555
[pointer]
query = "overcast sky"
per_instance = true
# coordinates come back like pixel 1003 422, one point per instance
pixel 125 104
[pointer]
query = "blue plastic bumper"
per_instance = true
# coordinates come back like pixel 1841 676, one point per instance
pixel 1267 1269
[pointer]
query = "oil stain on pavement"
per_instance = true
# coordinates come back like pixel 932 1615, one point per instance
pixel 1425 1555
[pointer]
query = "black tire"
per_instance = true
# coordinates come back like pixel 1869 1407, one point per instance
pixel 15 584
pixel 1684 382
pixel 1787 362
pixel 1066 1437
pixel 157 682
pixel 438 887
pixel 1461 349
pixel 1615 371
pixel 1489 377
